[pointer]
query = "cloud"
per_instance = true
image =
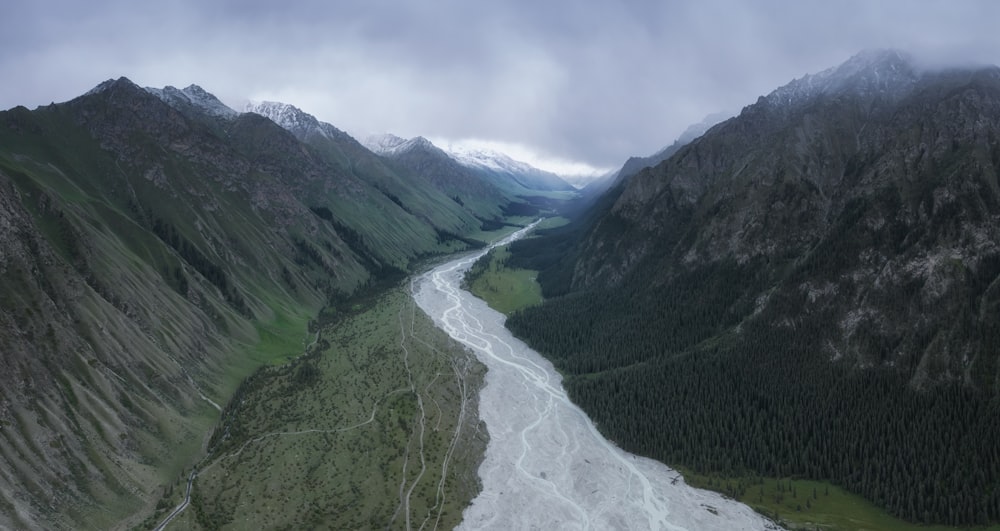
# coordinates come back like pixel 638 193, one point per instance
pixel 528 154
pixel 594 82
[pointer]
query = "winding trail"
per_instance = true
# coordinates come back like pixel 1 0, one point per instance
pixel 201 467
pixel 406 494
pixel 546 465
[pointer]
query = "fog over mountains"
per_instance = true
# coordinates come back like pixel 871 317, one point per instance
pixel 806 291
pixel 836 240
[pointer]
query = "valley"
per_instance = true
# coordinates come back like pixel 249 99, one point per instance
pixel 375 425
pixel 165 257
pixel 546 464
pixel 222 319
pixel 793 502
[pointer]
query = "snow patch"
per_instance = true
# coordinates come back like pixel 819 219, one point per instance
pixel 488 159
pixel 867 74
pixel 390 145
pixel 100 87
pixel 289 117
pixel 195 96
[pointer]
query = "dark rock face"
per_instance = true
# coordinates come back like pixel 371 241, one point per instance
pixel 810 289
pixel 870 190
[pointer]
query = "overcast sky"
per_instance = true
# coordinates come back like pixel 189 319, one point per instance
pixel 589 82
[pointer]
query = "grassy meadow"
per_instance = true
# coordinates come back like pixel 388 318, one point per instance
pixel 799 504
pixel 504 289
pixel 375 426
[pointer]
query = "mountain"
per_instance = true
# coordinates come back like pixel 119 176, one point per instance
pixel 352 158
pixel 156 249
pixel 506 172
pixel 194 100
pixel 636 164
pixel 291 118
pixel 467 185
pixel 390 145
pixel 805 290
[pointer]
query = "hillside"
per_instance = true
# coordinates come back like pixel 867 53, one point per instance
pixel 810 289
pixel 423 160
pixel 634 165
pixel 351 157
pixel 508 174
pixel 157 248
pixel 478 181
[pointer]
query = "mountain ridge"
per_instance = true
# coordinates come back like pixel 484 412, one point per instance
pixel 837 243
pixel 635 164
pixel 157 253
pixel 195 96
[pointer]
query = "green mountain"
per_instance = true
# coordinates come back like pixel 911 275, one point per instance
pixel 811 289
pixel 156 248
pixel 489 190
pixel 515 177
pixel 351 157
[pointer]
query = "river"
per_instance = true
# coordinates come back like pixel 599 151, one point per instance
pixel 546 465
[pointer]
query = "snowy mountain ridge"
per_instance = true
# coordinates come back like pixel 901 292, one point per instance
pixel 389 145
pixel 303 125
pixel 195 96
pixel 488 159
pixel 871 73
pixel 499 167
pixel 291 118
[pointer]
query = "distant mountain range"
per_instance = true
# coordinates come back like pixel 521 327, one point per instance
pixel 513 176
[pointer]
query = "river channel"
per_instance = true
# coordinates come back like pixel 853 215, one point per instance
pixel 546 465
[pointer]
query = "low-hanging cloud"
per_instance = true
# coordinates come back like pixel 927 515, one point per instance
pixel 594 82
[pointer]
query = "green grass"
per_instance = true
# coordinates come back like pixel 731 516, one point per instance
pixel 553 222
pixel 807 505
pixel 323 440
pixel 504 289
pixel 153 317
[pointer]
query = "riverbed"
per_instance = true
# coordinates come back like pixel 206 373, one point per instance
pixel 546 465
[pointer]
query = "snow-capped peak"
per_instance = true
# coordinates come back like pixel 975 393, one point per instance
pixel 388 144
pixel 485 159
pixel 287 116
pixel 382 143
pixel 106 85
pixel 488 159
pixel 294 120
pixel 101 87
pixel 888 73
pixel 195 96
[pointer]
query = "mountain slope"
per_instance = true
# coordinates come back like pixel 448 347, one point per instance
pixel 507 173
pixel 423 160
pixel 350 157
pixel 194 100
pixel 806 290
pixel 636 164
pixel 154 253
